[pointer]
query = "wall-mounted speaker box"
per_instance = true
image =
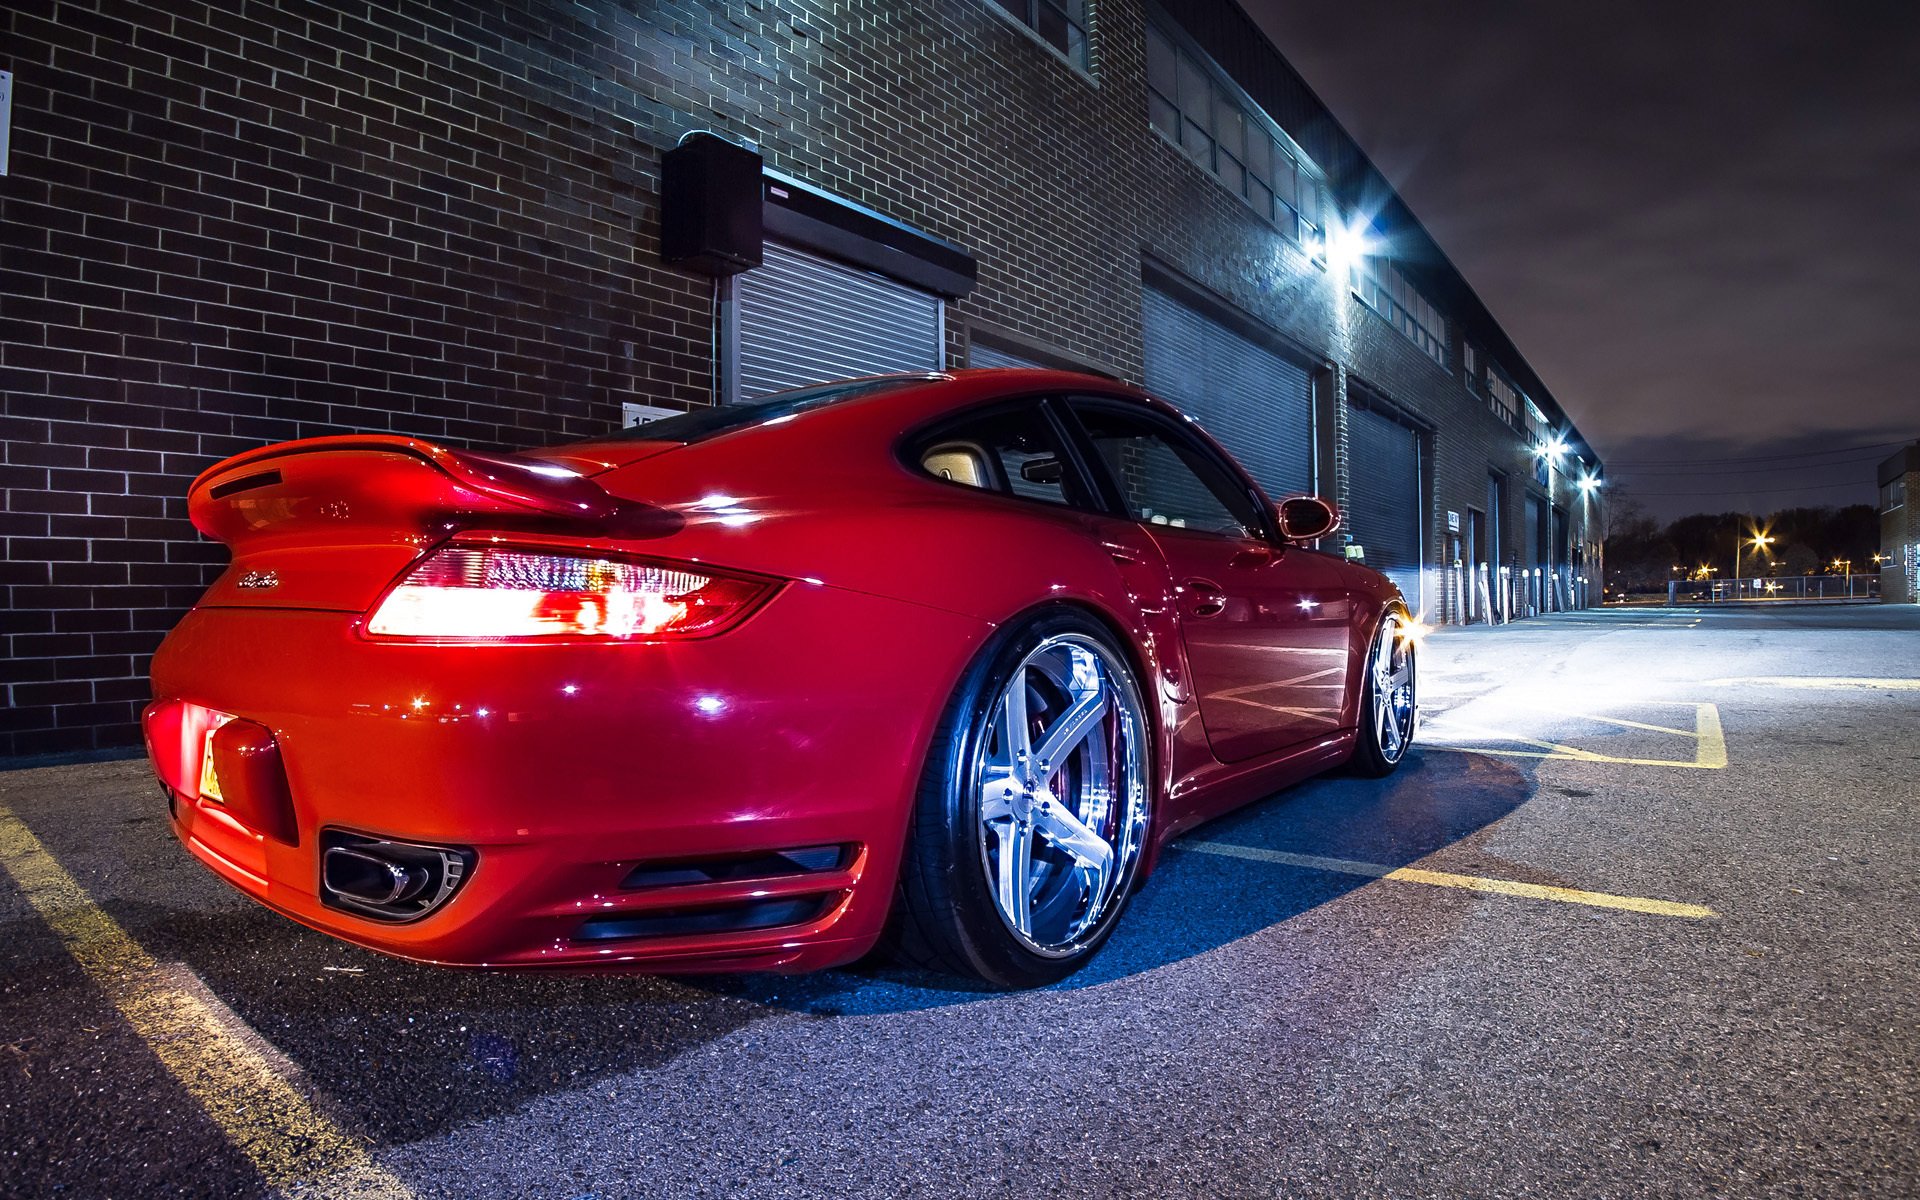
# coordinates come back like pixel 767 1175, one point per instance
pixel 710 206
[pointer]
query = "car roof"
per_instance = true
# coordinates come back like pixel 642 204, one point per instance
pixel 907 397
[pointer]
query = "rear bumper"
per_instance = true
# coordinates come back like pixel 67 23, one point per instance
pixel 566 767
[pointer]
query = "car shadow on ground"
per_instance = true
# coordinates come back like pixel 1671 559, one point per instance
pixel 1197 901
pixel 402 1051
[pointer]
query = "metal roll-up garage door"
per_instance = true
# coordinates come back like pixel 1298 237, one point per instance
pixel 806 319
pixel 1254 402
pixel 979 354
pixel 1383 498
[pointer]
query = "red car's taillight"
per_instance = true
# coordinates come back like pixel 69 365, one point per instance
pixel 485 593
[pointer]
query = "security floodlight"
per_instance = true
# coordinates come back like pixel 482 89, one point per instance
pixel 1347 245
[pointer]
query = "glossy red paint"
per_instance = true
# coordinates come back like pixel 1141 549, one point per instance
pixel 564 765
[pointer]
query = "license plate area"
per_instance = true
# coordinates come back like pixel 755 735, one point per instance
pixel 208 785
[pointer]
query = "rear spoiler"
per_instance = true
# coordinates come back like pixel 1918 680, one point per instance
pixel 302 488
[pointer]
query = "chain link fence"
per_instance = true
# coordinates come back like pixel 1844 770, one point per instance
pixel 1857 585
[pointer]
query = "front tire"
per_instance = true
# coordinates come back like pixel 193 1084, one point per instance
pixel 1033 811
pixel 1388 708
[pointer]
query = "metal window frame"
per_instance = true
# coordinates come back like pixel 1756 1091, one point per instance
pixel 1389 308
pixel 1308 171
pixel 1027 26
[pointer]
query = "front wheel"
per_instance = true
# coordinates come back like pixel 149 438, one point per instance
pixel 1034 809
pixel 1387 700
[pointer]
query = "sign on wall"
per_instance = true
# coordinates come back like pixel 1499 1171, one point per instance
pixel 632 414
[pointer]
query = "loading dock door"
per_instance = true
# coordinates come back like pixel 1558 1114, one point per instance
pixel 1535 552
pixel 806 319
pixel 1254 402
pixel 980 354
pixel 1384 491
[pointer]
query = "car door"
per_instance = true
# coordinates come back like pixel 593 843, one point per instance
pixel 1263 623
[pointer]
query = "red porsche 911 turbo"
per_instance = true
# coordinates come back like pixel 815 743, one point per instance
pixel 939 658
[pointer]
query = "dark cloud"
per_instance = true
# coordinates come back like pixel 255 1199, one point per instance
pixel 1699 221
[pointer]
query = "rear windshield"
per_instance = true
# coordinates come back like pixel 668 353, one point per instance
pixel 704 423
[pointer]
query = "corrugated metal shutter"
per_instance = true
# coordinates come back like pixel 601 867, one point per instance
pixel 1383 496
pixel 806 319
pixel 981 355
pixel 1254 402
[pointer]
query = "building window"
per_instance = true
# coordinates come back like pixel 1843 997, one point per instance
pixel 1893 495
pixel 1539 429
pixel 1470 366
pixel 1061 24
pixel 1227 137
pixel 1384 289
pixel 1503 398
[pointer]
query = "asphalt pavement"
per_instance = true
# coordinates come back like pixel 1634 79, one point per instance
pixel 1640 916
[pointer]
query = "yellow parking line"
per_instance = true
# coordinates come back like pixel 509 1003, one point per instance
pixel 286 1138
pixel 1472 883
pixel 1712 751
pixel 1710 741
pixel 1816 681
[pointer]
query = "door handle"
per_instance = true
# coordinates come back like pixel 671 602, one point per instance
pixel 1204 598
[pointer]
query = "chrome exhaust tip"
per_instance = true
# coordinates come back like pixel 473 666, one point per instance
pixel 389 880
pixel 370 879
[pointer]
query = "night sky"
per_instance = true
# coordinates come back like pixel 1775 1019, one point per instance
pixel 1700 222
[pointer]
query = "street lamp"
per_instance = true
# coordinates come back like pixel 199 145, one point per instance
pixel 1759 541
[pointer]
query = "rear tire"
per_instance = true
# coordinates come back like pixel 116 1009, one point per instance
pixel 1034 809
pixel 1389 711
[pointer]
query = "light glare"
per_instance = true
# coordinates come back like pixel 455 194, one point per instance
pixel 1347 245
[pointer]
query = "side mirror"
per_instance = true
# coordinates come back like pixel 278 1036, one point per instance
pixel 1304 518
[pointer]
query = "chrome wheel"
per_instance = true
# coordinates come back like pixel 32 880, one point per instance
pixel 1061 773
pixel 1392 690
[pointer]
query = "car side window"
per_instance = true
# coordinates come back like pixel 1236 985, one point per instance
pixel 1013 451
pixel 1164 477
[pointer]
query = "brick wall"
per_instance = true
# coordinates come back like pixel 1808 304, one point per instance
pixel 242 221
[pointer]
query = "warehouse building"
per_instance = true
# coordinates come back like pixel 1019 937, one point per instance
pixel 1899 557
pixel 225 224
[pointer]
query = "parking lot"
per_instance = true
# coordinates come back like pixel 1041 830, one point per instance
pixel 1638 917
